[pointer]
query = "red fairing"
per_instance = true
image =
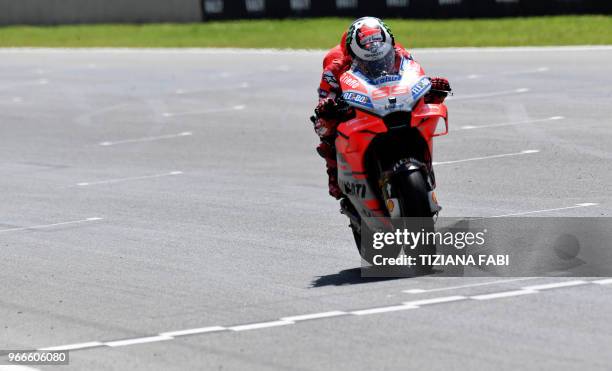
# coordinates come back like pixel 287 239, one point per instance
pixel 425 118
pixel 355 135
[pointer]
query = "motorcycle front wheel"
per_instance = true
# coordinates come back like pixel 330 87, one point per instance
pixel 413 196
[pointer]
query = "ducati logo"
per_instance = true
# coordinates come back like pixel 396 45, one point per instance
pixel 355 189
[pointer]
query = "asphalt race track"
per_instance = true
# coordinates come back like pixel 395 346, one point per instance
pixel 166 210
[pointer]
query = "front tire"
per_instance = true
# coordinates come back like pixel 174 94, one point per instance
pixel 413 196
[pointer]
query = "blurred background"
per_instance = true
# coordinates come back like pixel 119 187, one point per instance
pixel 42 12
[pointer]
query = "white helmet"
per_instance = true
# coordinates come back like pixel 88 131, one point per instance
pixel 371 44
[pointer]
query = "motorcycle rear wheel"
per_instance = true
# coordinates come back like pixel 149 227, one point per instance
pixel 413 195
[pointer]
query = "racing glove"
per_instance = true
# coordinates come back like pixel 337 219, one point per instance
pixel 440 83
pixel 327 108
pixel 328 114
pixel 325 119
pixel 439 90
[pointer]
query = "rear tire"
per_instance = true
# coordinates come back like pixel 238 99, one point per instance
pixel 413 195
pixel 366 252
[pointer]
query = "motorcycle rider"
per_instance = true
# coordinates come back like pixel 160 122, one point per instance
pixel 369 46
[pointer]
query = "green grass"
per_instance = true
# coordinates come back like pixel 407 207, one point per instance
pixel 318 33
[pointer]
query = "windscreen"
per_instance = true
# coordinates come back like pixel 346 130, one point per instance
pixel 381 67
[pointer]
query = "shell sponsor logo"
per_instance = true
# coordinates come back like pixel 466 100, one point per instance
pixel 390 205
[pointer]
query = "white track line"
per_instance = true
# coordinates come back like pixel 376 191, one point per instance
pixel 444 299
pixel 42 226
pixel 12 100
pixel 90 344
pixel 146 139
pixel 143 340
pixel 392 308
pixel 555 285
pixel 17 368
pixel 239 107
pixel 420 291
pixel 471 127
pixel 525 152
pixel 586 204
pixel 24 83
pixel 118 180
pixel 515 49
pixel 417 304
pixel 260 325
pixel 489 95
pixel 242 85
pixel 606 281
pixel 503 294
pixel 537 70
pixel 305 317
pixel 510 73
pixel 193 331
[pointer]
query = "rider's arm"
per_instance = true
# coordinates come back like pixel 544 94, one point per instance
pixel 329 87
pixel 328 114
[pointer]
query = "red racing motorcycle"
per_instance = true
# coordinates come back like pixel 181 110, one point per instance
pixel 384 148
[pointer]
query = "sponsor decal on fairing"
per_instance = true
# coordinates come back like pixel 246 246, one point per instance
pixel 356 98
pixel 420 88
